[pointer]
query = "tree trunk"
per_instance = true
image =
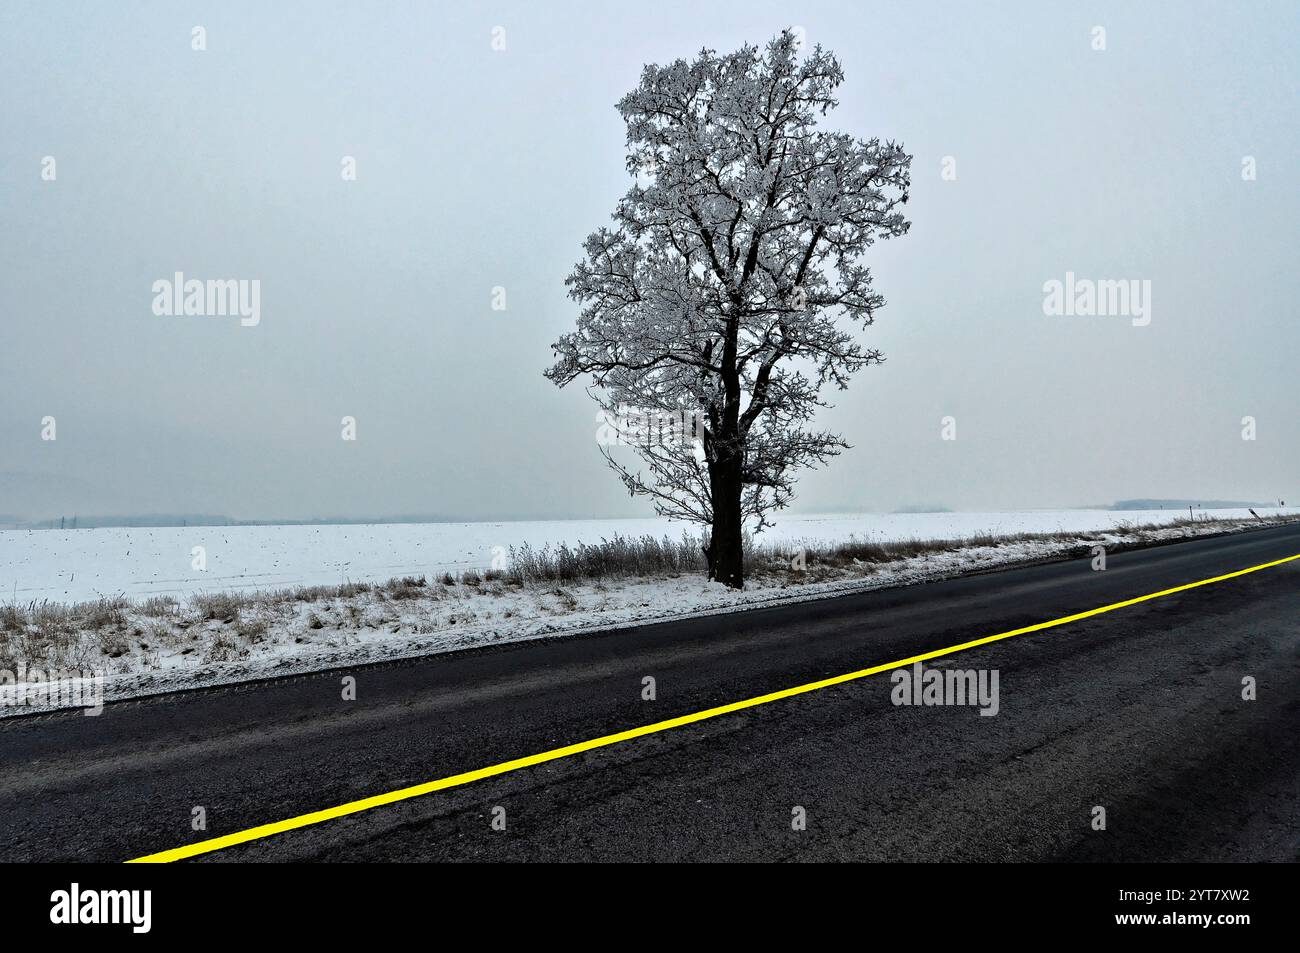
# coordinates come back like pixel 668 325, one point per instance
pixel 726 554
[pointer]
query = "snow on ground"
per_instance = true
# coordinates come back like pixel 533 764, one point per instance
pixel 146 652
pixel 79 565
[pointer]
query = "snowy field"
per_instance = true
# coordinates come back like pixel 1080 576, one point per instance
pixel 164 646
pixel 79 565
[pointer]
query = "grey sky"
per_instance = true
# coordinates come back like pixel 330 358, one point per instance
pixel 478 168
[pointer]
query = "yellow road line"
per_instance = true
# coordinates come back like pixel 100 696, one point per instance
pixel 505 767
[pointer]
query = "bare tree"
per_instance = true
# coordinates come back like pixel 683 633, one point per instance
pixel 721 289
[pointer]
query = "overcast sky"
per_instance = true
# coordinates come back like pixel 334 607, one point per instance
pixel 479 168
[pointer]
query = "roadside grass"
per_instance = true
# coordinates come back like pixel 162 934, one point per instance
pixel 225 626
pixel 647 557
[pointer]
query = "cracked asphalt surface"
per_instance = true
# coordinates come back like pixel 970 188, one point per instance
pixel 1138 710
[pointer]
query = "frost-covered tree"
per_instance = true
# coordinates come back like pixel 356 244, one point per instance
pixel 731 282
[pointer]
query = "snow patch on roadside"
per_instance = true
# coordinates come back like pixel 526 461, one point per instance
pixel 268 639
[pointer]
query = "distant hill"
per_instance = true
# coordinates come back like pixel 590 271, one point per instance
pixel 1183 504
pixel 77 521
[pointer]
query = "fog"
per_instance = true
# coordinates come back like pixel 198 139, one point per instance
pixel 479 169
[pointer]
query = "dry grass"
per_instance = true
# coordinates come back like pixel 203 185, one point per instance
pixel 220 606
pixel 52 634
pixel 646 557
pixel 158 606
pixel 405 587
pixel 224 626
pixel 620 557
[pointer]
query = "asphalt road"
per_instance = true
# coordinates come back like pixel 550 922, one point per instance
pixel 1138 711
